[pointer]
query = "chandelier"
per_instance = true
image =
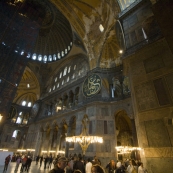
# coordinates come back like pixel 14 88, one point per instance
pixel 126 149
pixel 84 139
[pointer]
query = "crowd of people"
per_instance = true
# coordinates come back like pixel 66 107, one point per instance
pixel 75 164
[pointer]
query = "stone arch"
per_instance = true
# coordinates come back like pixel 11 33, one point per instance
pixel 123 128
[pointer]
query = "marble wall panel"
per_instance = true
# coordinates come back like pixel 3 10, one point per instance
pixel 145 96
pixel 161 92
pixel 100 127
pixel 154 63
pixel 110 125
pixel 157 133
pixel 169 80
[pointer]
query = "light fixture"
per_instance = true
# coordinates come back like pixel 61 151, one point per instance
pixel 126 149
pixel 4 150
pixel 84 139
pixel 0 117
pixel 44 151
pixel 120 51
pixel 30 149
pixel 21 150
pixel 51 151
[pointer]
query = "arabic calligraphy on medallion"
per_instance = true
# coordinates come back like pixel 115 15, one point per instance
pixel 92 85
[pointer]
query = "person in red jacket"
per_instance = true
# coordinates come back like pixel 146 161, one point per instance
pixel 7 160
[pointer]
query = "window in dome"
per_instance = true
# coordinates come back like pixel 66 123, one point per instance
pixel 54 57
pixel 68 47
pixel 19 120
pixel 15 134
pixel 29 104
pixel 20 113
pixel 79 73
pixel 60 75
pixel 55 79
pixel 58 85
pixel 59 56
pixel 75 67
pixel 71 43
pixel 28 85
pixel 67 79
pixel 125 3
pixel 62 53
pixel 65 51
pixel 65 71
pixel 101 28
pixel 45 58
pixel 23 103
pixel 22 53
pixel 63 82
pixel 34 56
pixel 54 87
pixel 69 69
pixel 50 90
pixel 28 56
pixel 50 57
pixel 39 57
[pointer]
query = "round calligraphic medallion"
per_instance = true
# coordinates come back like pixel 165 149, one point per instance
pixel 92 85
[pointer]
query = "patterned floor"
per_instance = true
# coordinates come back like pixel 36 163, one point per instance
pixel 34 168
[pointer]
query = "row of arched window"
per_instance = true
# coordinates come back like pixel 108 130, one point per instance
pixel 48 58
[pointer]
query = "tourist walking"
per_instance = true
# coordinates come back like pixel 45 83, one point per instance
pixel 7 160
pixel 18 161
pixel 28 163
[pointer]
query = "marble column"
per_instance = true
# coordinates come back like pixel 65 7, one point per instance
pixel 58 140
pixel 67 143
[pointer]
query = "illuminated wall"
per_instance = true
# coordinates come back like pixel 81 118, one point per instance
pixel 125 3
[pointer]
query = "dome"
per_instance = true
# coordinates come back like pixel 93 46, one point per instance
pixel 36 29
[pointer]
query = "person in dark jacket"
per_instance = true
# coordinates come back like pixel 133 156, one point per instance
pixel 37 159
pixel 41 160
pixel 79 165
pixel 28 163
pixel 111 166
pixel 59 165
pixel 7 160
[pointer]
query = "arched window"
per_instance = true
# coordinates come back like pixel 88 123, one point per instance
pixel 50 57
pixel 39 57
pixel 54 57
pixel 54 87
pixel 69 69
pixel 19 120
pixel 67 79
pixel 68 47
pixel 62 53
pixel 65 51
pixel 34 56
pixel 74 67
pixel 73 76
pixel 23 103
pixel 15 133
pixel 59 56
pixel 58 85
pixel 45 58
pixel 60 75
pixel 65 71
pixel 29 104
pixel 125 3
pixel 49 90
pixel 55 79
pixel 63 82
